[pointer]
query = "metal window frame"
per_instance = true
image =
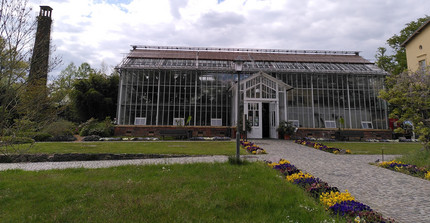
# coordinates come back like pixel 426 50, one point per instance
pixel 331 122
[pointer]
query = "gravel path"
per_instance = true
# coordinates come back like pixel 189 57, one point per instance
pixel 396 195
pixel 108 163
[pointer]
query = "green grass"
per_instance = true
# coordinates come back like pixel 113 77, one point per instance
pixel 419 158
pixel 172 147
pixel 369 148
pixel 217 192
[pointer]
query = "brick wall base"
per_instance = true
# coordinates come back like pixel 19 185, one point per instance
pixel 330 133
pixel 224 131
pixel 154 131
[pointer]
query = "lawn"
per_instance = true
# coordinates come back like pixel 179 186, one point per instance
pixel 412 153
pixel 169 147
pixel 218 192
pixel 419 158
pixel 368 148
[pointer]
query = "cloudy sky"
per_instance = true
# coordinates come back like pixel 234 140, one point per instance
pixel 101 31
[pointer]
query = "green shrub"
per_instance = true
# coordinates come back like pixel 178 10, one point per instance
pixel 26 134
pixel 60 128
pixel 16 140
pixel 98 131
pixel 25 124
pixel 62 138
pixel 42 137
pixel 92 127
pixel 37 136
pixel 86 126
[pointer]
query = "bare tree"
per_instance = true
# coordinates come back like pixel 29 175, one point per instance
pixel 22 107
pixel 16 37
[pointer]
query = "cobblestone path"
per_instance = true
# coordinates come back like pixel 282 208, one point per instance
pixel 396 195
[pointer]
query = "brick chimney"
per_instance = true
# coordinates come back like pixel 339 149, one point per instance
pixel 40 59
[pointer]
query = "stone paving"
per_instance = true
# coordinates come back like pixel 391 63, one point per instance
pixel 395 195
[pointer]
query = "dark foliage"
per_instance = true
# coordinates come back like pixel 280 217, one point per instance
pixel 96 97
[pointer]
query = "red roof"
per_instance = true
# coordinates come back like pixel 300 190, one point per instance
pixel 193 54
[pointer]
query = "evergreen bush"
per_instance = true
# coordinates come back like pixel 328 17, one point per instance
pixel 15 140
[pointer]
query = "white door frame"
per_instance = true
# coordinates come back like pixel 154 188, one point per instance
pixel 257 100
pixel 257 131
pixel 274 119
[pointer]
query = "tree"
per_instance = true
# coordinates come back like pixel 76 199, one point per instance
pixel 95 96
pixel 84 71
pixel 35 106
pixel 410 96
pixel 396 63
pixel 62 85
pixel 16 35
pixel 17 31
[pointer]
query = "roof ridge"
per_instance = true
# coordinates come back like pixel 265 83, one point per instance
pixel 246 50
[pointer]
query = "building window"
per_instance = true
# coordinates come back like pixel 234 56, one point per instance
pixel 330 124
pixel 422 64
pixel 139 121
pixel 366 125
pixel 253 114
pixel 260 87
pixel 178 121
pixel 216 122
pixel 295 123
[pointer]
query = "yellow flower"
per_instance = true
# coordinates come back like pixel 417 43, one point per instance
pixel 283 161
pixel 357 219
pixel 388 163
pixel 397 168
pixel 296 176
pixel 427 176
pixel 272 164
pixel 331 198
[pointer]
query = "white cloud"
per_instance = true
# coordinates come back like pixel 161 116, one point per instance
pixel 102 30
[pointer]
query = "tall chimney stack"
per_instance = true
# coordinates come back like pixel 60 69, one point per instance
pixel 40 59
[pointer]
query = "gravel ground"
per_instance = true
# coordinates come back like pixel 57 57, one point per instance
pixel 107 163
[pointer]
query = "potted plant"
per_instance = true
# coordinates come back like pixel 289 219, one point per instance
pixel 248 128
pixel 286 130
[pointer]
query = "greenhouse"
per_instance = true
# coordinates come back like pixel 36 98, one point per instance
pixel 194 87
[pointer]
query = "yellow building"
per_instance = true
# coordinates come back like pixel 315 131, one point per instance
pixel 418 48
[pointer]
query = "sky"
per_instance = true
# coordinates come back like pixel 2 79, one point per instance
pixel 102 31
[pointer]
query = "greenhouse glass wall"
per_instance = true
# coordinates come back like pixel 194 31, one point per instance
pixel 196 87
pixel 169 97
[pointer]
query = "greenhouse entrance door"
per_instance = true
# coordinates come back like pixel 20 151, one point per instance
pixel 269 120
pixel 263 117
pixel 261 104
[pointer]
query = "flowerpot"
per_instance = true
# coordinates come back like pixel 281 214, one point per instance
pixel 287 137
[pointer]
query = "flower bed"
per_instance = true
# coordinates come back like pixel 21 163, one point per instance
pixel 342 204
pixel 322 147
pixel 252 148
pixel 406 168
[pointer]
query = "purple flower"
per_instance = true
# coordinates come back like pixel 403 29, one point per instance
pixel 351 208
